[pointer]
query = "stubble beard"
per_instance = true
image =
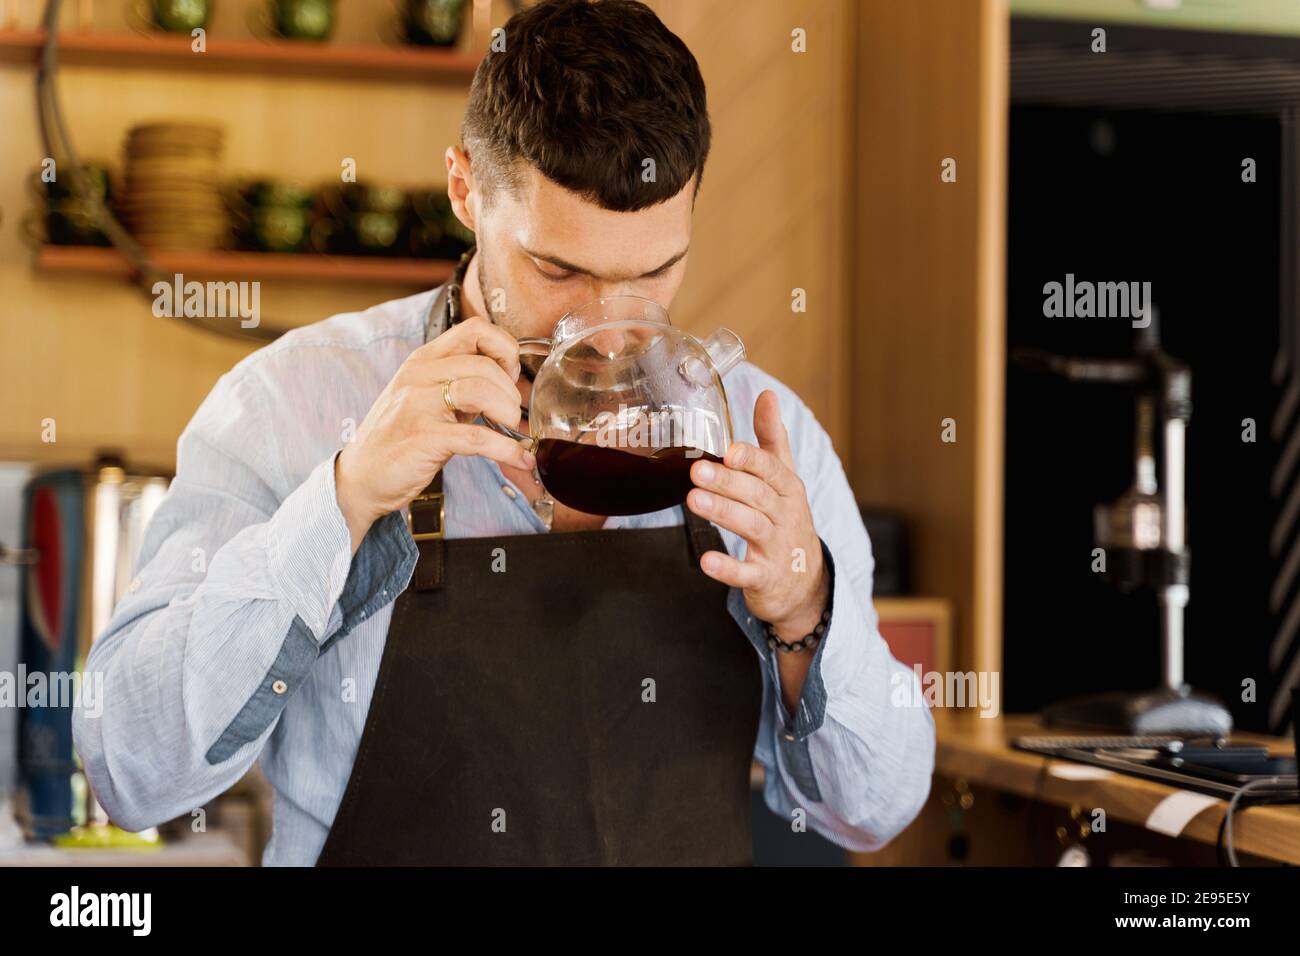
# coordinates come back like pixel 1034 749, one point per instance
pixel 501 319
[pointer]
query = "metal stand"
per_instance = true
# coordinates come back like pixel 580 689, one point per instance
pixel 1145 541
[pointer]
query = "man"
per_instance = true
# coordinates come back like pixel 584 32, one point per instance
pixel 503 689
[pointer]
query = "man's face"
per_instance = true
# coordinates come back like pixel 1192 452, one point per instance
pixel 544 250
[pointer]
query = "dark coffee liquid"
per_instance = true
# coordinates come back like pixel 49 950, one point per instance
pixel 616 481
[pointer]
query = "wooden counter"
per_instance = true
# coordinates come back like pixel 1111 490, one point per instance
pixel 978 751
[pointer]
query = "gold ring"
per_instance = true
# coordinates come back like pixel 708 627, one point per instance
pixel 446 397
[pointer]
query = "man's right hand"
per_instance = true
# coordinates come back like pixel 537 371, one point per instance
pixel 409 433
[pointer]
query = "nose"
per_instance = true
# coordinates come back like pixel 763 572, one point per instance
pixel 607 290
pixel 609 342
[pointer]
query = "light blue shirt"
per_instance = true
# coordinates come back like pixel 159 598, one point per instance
pixel 252 633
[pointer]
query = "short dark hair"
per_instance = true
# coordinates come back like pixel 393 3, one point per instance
pixel 586 92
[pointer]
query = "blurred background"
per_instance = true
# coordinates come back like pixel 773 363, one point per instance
pixel 917 170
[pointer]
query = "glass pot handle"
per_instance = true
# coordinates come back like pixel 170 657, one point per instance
pixel 725 351
pixel 527 346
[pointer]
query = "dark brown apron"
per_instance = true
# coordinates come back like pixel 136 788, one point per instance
pixel 594 703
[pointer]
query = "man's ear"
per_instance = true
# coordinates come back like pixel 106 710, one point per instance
pixel 461 187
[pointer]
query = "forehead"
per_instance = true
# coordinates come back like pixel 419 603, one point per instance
pixel 545 218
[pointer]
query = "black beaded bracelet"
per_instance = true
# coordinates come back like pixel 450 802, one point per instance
pixel 808 641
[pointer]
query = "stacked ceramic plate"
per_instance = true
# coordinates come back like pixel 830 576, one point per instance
pixel 171 197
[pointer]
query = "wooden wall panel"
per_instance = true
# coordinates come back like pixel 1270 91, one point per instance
pixel 928 316
pixel 774 210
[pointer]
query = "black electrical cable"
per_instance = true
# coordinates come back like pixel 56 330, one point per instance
pixel 1278 789
pixel 1220 854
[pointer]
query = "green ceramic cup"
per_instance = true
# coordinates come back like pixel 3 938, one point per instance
pixel 304 19
pixel 432 22
pixel 180 16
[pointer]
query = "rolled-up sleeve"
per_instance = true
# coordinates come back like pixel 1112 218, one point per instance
pixel 242 582
pixel 858 754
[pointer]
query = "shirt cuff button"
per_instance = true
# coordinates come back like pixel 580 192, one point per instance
pixel 279 687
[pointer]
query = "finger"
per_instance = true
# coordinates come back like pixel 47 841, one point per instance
pixel 474 396
pixel 478 335
pixel 769 429
pixel 750 523
pixel 468 366
pixel 765 465
pixel 738 485
pixel 469 440
pixel 725 568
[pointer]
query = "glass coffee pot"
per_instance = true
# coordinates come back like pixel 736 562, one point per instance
pixel 622 404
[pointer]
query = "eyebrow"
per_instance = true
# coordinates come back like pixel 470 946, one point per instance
pixel 570 267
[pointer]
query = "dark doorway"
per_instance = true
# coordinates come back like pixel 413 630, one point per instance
pixel 1141 195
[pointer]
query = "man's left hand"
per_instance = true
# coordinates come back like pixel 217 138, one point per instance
pixel 756 493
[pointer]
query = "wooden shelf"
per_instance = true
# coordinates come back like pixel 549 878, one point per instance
pixel 242 55
pixel 978 749
pixel 95 260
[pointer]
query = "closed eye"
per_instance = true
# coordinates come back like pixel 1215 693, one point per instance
pixel 554 276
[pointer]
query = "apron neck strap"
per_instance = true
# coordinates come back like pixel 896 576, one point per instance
pixel 427 513
pixel 701 535
pixel 446 308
